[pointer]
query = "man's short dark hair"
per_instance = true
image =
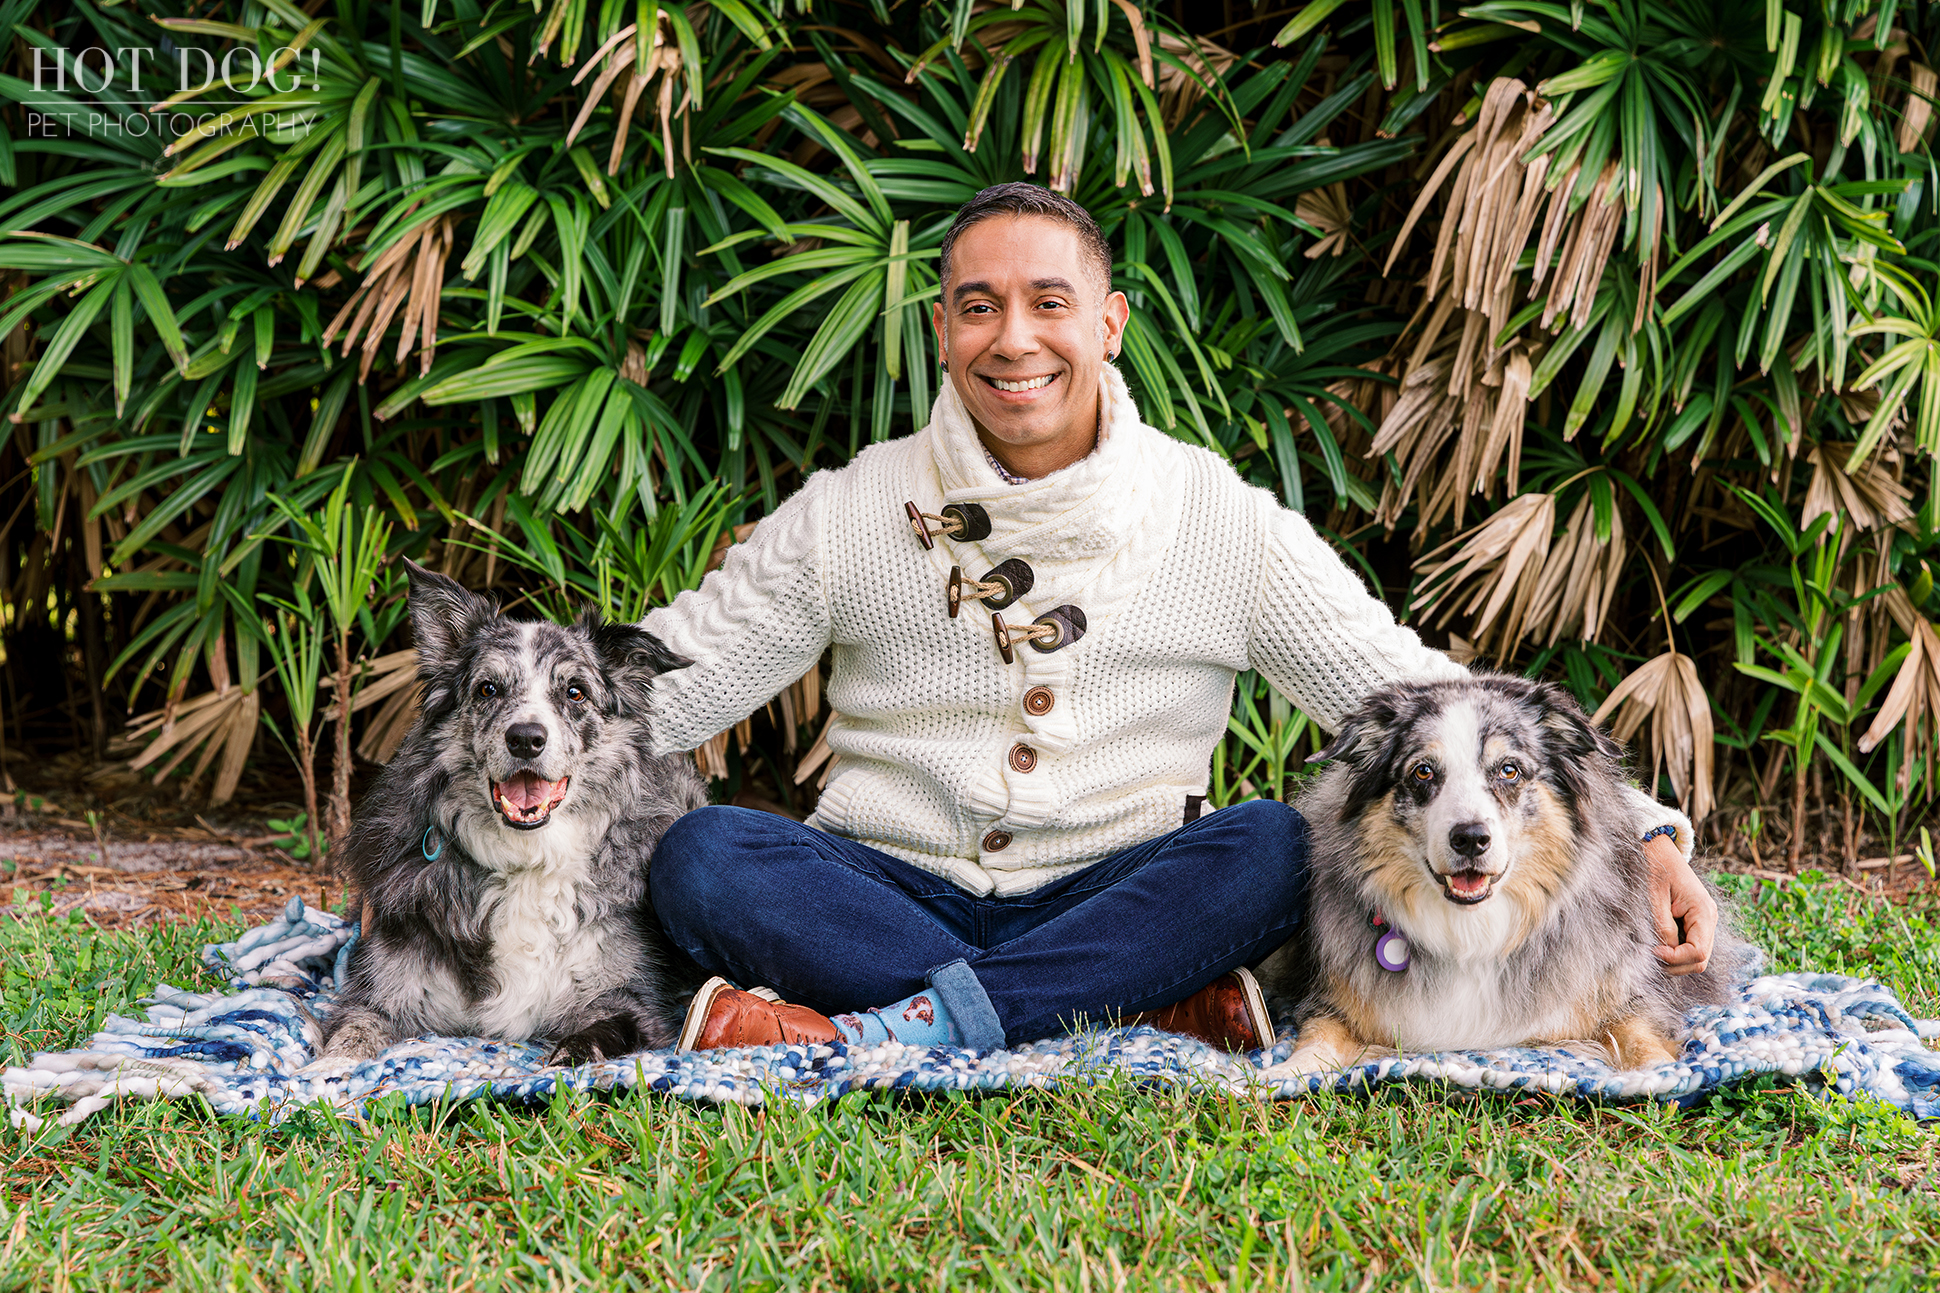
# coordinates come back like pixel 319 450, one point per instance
pixel 1021 199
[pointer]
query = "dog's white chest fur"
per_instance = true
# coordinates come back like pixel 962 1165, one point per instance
pixel 544 958
pixel 1470 1005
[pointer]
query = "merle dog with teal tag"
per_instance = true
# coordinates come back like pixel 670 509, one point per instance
pixel 501 858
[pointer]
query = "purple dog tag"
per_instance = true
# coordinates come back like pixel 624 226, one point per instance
pixel 1391 951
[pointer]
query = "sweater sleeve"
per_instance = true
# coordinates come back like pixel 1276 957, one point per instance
pixel 1319 635
pixel 755 625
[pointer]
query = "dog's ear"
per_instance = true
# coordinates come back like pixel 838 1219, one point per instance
pixel 1344 743
pixel 631 658
pixel 1364 728
pixel 443 615
pixel 1570 728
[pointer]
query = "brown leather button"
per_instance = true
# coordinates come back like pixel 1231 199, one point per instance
pixel 1039 700
pixel 1023 758
pixel 996 841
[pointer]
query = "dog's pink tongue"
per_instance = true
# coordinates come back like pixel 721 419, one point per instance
pixel 527 791
pixel 1468 883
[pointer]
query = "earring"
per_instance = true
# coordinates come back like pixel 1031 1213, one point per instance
pixel 944 364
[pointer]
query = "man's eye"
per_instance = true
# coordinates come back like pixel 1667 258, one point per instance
pixel 1510 772
pixel 575 693
pixel 487 689
pixel 1422 772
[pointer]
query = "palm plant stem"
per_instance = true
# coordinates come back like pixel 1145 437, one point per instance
pixel 339 823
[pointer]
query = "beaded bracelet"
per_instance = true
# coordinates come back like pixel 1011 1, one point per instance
pixel 1665 829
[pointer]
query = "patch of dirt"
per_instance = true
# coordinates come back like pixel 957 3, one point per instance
pixel 173 874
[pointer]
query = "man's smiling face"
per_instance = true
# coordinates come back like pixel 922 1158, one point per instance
pixel 1026 324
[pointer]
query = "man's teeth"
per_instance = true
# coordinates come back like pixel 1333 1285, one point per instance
pixel 1034 383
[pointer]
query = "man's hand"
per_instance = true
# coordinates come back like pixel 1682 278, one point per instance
pixel 1677 894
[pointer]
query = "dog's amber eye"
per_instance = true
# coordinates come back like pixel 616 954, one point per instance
pixel 487 689
pixel 1423 772
pixel 575 693
pixel 1510 772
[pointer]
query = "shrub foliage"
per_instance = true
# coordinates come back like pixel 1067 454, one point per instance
pixel 1603 335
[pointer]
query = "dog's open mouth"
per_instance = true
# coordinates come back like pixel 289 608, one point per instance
pixel 526 800
pixel 1467 887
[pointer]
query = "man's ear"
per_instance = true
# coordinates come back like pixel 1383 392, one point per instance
pixel 938 326
pixel 631 658
pixel 1118 312
pixel 443 615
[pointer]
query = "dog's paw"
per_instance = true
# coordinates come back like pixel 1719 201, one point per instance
pixel 363 1037
pixel 580 1048
pixel 1299 1065
pixel 606 1039
pixel 329 1066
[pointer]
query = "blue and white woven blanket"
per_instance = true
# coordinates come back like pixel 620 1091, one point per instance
pixel 251 1051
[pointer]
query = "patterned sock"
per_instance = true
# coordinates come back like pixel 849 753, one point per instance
pixel 920 1020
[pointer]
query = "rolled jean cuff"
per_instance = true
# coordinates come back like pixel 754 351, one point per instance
pixel 969 1006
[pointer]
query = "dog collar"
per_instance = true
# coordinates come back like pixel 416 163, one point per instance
pixel 1390 945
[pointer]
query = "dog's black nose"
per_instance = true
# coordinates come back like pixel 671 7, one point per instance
pixel 1470 839
pixel 526 740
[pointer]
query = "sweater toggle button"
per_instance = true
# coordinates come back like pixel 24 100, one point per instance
pixel 1058 627
pixel 997 589
pixel 966 521
pixel 1023 757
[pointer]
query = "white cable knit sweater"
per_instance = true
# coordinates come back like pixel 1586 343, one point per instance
pixel 1185 575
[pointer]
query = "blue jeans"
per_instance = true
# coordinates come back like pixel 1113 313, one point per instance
pixel 836 925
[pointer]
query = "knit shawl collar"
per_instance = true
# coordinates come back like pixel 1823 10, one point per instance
pixel 1080 514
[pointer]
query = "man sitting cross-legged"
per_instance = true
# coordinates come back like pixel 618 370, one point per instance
pixel 1012 845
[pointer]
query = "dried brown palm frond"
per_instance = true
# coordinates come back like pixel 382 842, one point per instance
pixel 1180 90
pixel 1329 211
pixel 1465 383
pixel 623 66
pixel 1579 579
pixel 1586 239
pixel 217 722
pixel 1497 567
pixel 1493 206
pixel 1666 691
pixel 1917 120
pixel 1869 625
pixel 1872 497
pixel 819 756
pixel 711 756
pixel 1913 701
pixel 410 273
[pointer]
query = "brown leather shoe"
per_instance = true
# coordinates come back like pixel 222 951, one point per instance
pixel 724 1015
pixel 1229 1012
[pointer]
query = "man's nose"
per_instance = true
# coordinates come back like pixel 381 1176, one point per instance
pixel 1018 337
pixel 1470 839
pixel 525 740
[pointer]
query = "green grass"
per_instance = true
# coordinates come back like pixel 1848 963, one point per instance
pixel 1096 1189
